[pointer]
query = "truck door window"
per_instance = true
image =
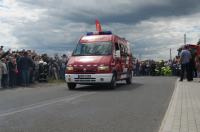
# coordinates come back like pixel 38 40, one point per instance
pixel 125 50
pixel 116 46
pixel 122 49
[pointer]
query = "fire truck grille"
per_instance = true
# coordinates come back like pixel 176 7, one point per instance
pixel 85 72
pixel 85 80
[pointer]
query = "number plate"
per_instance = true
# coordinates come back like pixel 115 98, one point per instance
pixel 84 76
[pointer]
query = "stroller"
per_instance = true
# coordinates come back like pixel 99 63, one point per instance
pixel 43 72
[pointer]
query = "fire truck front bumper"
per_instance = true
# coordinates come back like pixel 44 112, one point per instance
pixel 88 78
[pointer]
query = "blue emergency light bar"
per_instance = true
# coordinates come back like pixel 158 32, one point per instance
pixel 89 33
pixel 99 33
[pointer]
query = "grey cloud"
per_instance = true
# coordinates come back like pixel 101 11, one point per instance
pixel 49 33
pixel 63 22
pixel 85 11
pixel 116 12
pixel 175 8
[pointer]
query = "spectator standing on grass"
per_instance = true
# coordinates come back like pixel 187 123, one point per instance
pixel 25 65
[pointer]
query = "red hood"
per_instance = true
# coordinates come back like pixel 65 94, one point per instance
pixel 90 60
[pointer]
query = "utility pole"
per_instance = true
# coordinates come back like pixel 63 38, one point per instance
pixel 185 39
pixel 170 53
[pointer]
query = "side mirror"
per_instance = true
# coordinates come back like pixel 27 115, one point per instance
pixel 117 54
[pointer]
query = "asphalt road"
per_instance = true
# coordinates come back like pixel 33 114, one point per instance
pixel 139 107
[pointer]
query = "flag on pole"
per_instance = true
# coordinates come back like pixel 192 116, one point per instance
pixel 98 26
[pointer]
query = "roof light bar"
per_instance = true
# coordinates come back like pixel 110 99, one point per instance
pixel 99 33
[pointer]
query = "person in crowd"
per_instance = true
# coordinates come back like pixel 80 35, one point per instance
pixel 36 69
pixel 185 57
pixel 12 68
pixel 1 50
pixel 63 64
pixel 1 72
pixel 31 69
pixel 137 68
pixel 147 69
pixel 4 81
pixel 197 60
pixel 153 69
pixel 161 64
pixel 4 54
pixel 142 68
pixel 19 75
pixel 192 67
pixel 25 65
pixel 43 71
pixel 55 69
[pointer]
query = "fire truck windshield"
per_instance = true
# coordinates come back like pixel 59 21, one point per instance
pixel 93 49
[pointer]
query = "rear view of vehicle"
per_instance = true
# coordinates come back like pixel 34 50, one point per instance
pixel 99 58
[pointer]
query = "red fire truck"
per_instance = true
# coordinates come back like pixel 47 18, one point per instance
pixel 195 49
pixel 100 58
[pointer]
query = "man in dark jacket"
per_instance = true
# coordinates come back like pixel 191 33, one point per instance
pixel 185 57
pixel 25 65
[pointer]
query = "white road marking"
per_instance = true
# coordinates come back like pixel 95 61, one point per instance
pixel 44 103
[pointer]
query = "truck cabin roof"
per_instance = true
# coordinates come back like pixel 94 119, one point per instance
pixel 101 37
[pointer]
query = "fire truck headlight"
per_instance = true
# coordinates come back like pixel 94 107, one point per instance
pixel 103 68
pixel 70 68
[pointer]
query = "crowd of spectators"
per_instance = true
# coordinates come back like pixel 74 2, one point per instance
pixel 22 68
pixel 166 68
pixel 157 68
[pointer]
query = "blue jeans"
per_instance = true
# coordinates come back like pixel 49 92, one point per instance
pixel 25 77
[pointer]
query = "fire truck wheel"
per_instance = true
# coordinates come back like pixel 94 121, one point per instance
pixel 129 79
pixel 71 86
pixel 113 83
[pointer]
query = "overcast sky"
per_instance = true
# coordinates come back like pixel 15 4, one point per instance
pixel 151 26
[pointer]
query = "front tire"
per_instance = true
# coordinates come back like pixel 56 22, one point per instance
pixel 71 86
pixel 129 79
pixel 113 82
